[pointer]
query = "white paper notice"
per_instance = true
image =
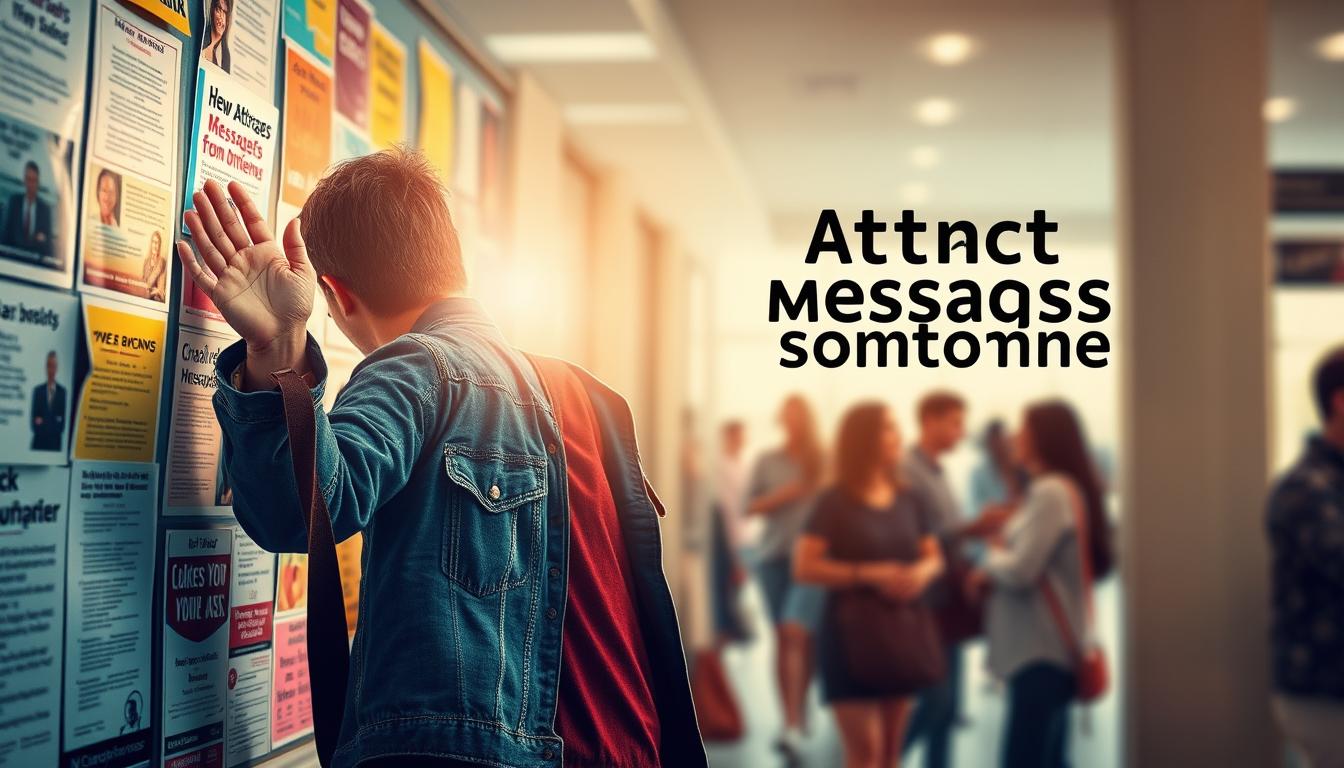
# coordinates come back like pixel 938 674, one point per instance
pixel 195 645
pixel 238 38
pixel 109 614
pixel 196 482
pixel 248 725
pixel 32 586
pixel 37 359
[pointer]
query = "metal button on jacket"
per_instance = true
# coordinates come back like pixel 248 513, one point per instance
pixel 494 493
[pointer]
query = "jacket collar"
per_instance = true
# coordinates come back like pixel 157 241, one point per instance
pixel 455 309
pixel 1326 451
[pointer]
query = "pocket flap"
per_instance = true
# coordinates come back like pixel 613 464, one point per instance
pixel 499 481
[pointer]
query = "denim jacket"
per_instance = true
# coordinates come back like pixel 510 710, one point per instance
pixel 443 450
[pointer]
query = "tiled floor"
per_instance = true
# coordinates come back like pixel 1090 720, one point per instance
pixel 1096 735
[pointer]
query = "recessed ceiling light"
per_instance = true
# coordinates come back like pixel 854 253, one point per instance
pixel 1331 48
pixel 578 46
pixel 655 113
pixel 914 193
pixel 925 156
pixel 949 48
pixel 935 111
pixel 1279 108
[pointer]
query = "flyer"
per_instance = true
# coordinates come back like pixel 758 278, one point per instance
pixel 291 697
pixel 118 416
pixel 172 11
pixel 348 560
pixel 248 710
pixel 195 645
pixel 351 64
pixel 238 38
pixel 467 176
pixel 109 614
pixel 195 482
pixel 306 144
pixel 37 361
pixel 130 172
pixel 347 141
pixel 234 138
pixel 492 172
pixel 41 122
pixel 435 132
pixel 311 24
pixel 387 88
pixel 32 586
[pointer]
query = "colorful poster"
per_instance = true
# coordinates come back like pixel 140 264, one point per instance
pixel 238 38
pixel 435 132
pixel 387 88
pixel 195 646
pixel 130 173
pixel 118 416
pixel 41 122
pixel 467 179
pixel 291 697
pixel 172 11
pixel 347 141
pixel 32 594
pixel 492 172
pixel 38 331
pixel 248 712
pixel 312 25
pixel 352 61
pixel 109 615
pixel 234 139
pixel 307 135
pixel 348 560
pixel 195 482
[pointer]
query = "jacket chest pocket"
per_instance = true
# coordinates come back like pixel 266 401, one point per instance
pixel 492 529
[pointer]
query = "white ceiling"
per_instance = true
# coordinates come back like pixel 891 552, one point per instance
pixel 796 106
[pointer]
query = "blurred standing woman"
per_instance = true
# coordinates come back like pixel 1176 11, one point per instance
pixel 783 486
pixel 873 546
pixel 1039 549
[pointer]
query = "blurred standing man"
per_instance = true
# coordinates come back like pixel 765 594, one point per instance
pixel 1305 523
pixel 28 217
pixel 513 606
pixel 942 425
pixel 48 410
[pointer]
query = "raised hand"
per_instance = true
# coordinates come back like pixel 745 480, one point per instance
pixel 263 290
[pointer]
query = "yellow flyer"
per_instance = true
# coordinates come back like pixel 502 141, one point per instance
pixel 172 11
pixel 118 417
pixel 436 111
pixel 387 73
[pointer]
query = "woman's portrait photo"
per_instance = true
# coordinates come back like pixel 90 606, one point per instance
pixel 154 273
pixel 215 40
pixel 108 190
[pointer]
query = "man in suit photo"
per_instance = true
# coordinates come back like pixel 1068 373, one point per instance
pixel 48 411
pixel 28 217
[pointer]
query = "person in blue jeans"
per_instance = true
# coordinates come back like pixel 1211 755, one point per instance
pixel 513 609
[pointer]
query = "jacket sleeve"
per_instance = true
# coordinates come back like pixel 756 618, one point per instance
pixel 366 447
pixel 1046 518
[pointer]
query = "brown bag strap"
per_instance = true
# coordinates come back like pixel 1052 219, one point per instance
pixel 327 638
pixel 1072 643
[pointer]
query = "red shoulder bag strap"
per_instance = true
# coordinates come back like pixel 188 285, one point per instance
pixel 1072 642
pixel 327 638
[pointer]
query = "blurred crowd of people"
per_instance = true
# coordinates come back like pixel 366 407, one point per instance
pixel 873 576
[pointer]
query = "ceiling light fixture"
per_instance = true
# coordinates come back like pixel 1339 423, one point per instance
pixel 1331 48
pixel 935 111
pixel 569 47
pixel 925 156
pixel 1279 108
pixel 949 48
pixel 655 113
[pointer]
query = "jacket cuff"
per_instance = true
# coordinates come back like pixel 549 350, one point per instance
pixel 265 405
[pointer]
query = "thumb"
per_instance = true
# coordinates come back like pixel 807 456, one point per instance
pixel 295 250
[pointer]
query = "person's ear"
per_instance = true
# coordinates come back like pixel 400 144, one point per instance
pixel 339 294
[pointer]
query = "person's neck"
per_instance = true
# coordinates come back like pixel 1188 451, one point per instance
pixel 929 447
pixel 389 327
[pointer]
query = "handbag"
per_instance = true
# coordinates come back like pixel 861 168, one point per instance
pixel 715 705
pixel 961 615
pixel 327 635
pixel 1090 668
pixel 892 645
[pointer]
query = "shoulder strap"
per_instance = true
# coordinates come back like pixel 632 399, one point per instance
pixel 1072 642
pixel 327 635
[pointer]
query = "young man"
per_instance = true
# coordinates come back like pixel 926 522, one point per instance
pixel 1305 522
pixel 942 425
pixel 513 611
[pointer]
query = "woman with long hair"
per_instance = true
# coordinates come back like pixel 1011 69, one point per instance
pixel 1048 550
pixel 215 39
pixel 869 540
pixel 154 271
pixel 783 485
